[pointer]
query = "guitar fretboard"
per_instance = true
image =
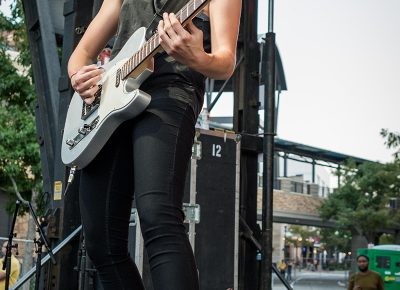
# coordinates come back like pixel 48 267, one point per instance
pixel 150 46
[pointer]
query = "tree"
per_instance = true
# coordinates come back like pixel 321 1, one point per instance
pixel 19 151
pixel 303 237
pixel 361 204
pixel 336 240
pixel 392 142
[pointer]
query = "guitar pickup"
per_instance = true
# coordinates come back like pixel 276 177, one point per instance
pixel 87 110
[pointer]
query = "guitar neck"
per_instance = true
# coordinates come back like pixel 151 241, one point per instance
pixel 150 47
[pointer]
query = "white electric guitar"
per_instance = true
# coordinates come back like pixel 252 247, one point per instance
pixel 88 127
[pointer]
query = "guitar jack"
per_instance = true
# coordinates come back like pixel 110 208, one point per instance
pixel 70 179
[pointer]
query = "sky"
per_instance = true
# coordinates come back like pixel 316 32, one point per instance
pixel 342 66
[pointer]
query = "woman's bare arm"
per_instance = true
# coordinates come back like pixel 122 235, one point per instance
pixel 84 75
pixel 100 30
pixel 186 45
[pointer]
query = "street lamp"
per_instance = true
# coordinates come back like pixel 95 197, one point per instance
pixel 284 243
pixel 298 244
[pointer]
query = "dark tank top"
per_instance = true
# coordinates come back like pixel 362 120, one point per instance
pixel 168 73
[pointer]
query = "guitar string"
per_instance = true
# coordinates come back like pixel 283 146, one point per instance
pixel 140 55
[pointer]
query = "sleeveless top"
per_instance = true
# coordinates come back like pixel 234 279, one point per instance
pixel 167 72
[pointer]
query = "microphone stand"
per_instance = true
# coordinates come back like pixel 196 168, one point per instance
pixel 40 242
pixel 7 258
pixel 85 272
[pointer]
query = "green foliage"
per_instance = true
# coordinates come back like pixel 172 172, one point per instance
pixel 392 141
pixel 387 239
pixel 19 151
pixel 336 240
pixel 302 235
pixel 330 239
pixel 362 200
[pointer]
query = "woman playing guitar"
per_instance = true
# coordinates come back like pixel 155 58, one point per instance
pixel 146 158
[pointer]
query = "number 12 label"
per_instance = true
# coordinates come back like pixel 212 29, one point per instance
pixel 216 150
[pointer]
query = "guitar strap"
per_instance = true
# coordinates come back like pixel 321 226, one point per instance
pixel 168 6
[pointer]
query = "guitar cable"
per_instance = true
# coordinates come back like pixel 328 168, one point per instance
pixel 70 179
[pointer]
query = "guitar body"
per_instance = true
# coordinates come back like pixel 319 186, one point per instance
pixel 87 128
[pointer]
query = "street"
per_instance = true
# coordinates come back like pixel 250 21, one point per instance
pixel 306 280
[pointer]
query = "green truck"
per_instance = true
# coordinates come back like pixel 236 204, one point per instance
pixel 385 259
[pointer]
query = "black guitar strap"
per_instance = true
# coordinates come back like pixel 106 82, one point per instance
pixel 168 6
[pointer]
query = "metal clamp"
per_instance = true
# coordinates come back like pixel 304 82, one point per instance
pixel 196 149
pixel 192 213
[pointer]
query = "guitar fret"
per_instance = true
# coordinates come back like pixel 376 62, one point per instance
pixel 150 44
pixel 154 42
pixel 135 59
pixel 149 48
pixel 187 12
pixel 190 8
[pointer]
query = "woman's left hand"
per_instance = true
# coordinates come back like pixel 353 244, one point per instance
pixel 183 44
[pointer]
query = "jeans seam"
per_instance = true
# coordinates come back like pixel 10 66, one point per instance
pixel 107 217
pixel 175 149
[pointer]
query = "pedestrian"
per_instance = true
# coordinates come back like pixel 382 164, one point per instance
pixel 282 267
pixel 15 267
pixel 289 270
pixel 365 279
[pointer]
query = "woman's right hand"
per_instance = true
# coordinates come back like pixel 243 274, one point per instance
pixel 85 82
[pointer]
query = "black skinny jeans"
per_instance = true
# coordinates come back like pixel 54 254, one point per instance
pixel 147 158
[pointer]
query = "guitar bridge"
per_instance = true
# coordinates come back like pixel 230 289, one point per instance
pixel 82 132
pixel 87 110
